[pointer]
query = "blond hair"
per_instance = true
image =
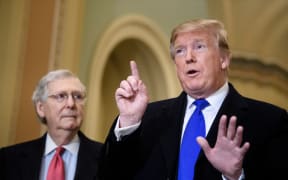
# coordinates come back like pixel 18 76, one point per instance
pixel 215 27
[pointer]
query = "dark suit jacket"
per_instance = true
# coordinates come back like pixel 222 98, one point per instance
pixel 151 153
pixel 23 161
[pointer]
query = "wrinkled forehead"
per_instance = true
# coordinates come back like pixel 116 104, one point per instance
pixel 68 84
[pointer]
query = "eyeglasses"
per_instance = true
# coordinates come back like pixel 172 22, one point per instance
pixel 61 97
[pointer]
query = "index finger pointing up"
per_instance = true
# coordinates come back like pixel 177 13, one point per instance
pixel 134 70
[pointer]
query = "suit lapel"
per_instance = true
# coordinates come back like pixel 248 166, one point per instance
pixel 30 159
pixel 87 159
pixel 233 104
pixel 81 159
pixel 170 142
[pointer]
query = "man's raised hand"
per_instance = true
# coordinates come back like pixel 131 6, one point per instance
pixel 131 98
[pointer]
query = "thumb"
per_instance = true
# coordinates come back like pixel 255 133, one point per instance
pixel 203 143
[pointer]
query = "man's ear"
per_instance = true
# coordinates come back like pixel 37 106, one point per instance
pixel 40 109
pixel 225 61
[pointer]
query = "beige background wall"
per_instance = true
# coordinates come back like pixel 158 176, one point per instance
pixel 97 39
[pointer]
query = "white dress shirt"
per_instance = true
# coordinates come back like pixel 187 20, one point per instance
pixel 69 157
pixel 210 112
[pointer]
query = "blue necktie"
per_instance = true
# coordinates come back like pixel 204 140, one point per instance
pixel 190 149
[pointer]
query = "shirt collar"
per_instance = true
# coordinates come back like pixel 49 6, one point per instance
pixel 215 99
pixel 72 146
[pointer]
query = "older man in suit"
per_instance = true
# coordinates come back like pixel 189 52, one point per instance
pixel 243 138
pixel 59 100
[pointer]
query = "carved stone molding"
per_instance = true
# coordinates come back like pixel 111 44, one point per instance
pixel 252 69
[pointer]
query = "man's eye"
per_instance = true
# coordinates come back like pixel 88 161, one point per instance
pixel 199 46
pixel 61 96
pixel 180 51
pixel 78 96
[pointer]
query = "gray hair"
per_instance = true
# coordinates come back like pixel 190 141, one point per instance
pixel 40 93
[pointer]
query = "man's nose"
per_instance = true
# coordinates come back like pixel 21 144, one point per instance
pixel 70 101
pixel 190 57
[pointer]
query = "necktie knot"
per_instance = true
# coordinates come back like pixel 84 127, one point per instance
pixel 201 104
pixel 60 150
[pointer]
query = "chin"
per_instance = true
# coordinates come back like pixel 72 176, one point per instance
pixel 71 127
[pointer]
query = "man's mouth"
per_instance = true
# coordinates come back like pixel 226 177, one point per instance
pixel 69 116
pixel 192 72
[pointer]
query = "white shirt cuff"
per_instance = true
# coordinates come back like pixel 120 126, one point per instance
pixel 120 132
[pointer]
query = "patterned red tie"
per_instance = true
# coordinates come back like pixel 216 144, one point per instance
pixel 56 169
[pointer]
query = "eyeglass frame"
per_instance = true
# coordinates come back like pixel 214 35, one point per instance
pixel 60 97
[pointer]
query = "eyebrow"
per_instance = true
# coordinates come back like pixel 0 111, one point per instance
pixel 194 41
pixel 63 91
